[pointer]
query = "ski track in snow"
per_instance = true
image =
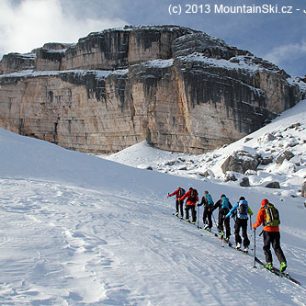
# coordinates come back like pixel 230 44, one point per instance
pixel 65 245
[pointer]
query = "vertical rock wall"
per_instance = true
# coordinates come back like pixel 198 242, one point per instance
pixel 181 90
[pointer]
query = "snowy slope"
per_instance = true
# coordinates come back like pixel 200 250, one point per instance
pixel 285 133
pixel 80 230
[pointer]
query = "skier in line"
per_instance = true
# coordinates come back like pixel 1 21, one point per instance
pixel 224 207
pixel 208 203
pixel 192 198
pixel 179 192
pixel 271 234
pixel 242 211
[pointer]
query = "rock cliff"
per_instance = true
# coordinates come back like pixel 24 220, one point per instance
pixel 180 89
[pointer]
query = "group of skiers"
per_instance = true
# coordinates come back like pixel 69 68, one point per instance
pixel 267 216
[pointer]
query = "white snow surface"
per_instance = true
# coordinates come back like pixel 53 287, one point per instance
pixel 159 63
pixel 81 230
pixel 239 64
pixel 102 74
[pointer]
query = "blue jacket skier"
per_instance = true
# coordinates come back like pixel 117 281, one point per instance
pixel 208 203
pixel 224 207
pixel 242 210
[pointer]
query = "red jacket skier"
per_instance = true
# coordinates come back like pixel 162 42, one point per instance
pixel 192 198
pixel 179 192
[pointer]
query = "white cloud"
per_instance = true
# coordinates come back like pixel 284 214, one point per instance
pixel 32 23
pixel 287 53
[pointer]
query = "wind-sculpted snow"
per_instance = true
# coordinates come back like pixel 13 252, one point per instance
pixel 63 245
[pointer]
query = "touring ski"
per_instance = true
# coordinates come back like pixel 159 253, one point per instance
pixel 210 232
pixel 176 215
pixel 278 272
pixel 239 249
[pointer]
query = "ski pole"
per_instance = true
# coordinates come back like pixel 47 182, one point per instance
pixel 254 248
pixel 198 218
pixel 251 225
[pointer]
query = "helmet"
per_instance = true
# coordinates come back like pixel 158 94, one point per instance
pixel 264 202
pixel 242 198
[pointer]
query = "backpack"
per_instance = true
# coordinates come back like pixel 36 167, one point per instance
pixel 242 209
pixel 181 192
pixel 271 215
pixel 209 199
pixel 193 195
pixel 225 206
pixel 225 203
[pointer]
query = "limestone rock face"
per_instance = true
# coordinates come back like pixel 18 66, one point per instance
pixel 179 89
pixel 50 56
pixel 72 110
pixel 15 62
pixel 206 45
pixel 113 49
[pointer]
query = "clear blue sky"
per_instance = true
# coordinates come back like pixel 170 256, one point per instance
pixel 280 38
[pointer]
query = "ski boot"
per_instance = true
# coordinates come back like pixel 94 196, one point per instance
pixel 269 266
pixel 283 266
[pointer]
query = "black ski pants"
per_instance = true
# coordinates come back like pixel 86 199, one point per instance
pixel 226 222
pixel 242 223
pixel 179 207
pixel 207 215
pixel 274 239
pixel 193 212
